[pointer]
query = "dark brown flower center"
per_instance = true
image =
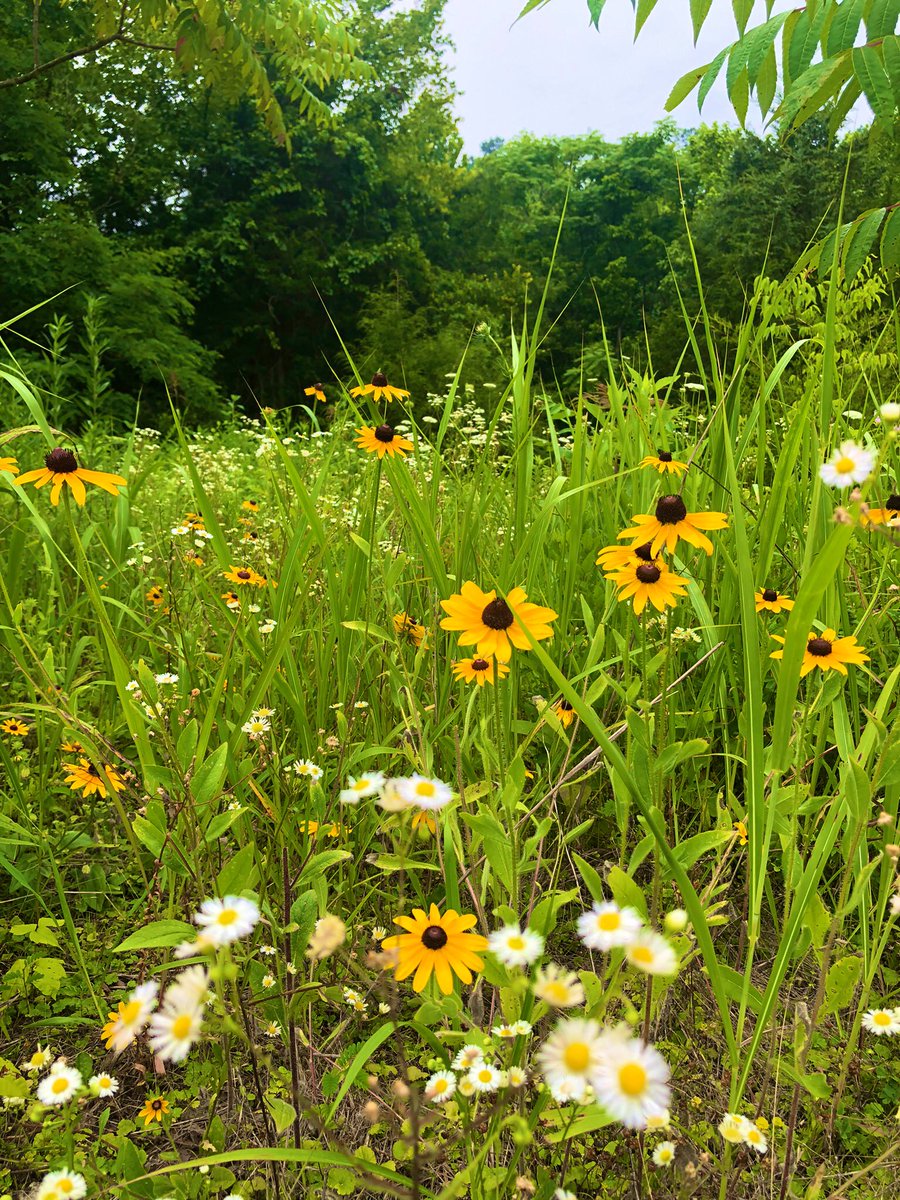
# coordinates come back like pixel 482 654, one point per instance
pixel 379 379
pixel 648 573
pixel 320 387
pixel 770 595
pixel 156 1105
pixel 819 646
pixel 497 614
pixel 244 575
pixel 644 552
pixel 480 664
pixel 61 462
pixel 434 937
pixel 92 770
pixel 384 433
pixel 565 706
pixel 893 503
pixel 664 456
pixel 670 510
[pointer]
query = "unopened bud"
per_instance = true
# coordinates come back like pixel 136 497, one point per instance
pixel 676 921
pixel 400 1089
pixel 842 517
pixel 892 850
pixel 371 1111
pixel 884 818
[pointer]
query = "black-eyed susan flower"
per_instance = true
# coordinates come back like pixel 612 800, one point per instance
pixel 251 536
pixel 671 521
pixel 194 521
pixel 155 595
pixel 311 828
pixel 827 651
pixel 232 600
pixel 382 440
pixel 250 505
pixel 740 829
pixel 408 628
pixel 771 601
pixel 613 558
pixel 154 1109
pixel 663 461
pixel 14 727
pixel 439 943
pixel 650 581
pixel 244 577
pixel 423 823
pixel 379 387
pixel 494 624
pixel 564 712
pixel 9 466
pixel 72 747
pixel 61 468
pixel 890 511
pixel 83 776
pixel 317 391
pixel 479 670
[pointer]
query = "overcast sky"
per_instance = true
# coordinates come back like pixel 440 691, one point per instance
pixel 552 73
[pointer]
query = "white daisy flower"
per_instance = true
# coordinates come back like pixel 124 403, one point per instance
pixel 755 1138
pixel 267 949
pixel 607 926
pixel 41 1057
pixel 440 1086
pixel 256 727
pixel 129 1019
pixel 67 1184
pixel 881 1021
pixel 732 1127
pixel 272 1029
pixel 570 1091
pixel 103 1084
pixel 557 987
pixel 469 1056
pixel 466 1087
pixel 392 800
pixel 564 1194
pixel 503 1031
pixel 664 1154
pixel 516 1077
pixel 849 464
pixel 522 1028
pixel 423 792
pixel 485 1078
pixel 573 1054
pixel 59 1086
pixel 262 714
pixel 226 920
pixel 651 952
pixel 174 1029
pixel 166 677
pixel 368 784
pixel 307 769
pixel 660 1120
pixel 515 947
pixel 269 981
pixel 632 1082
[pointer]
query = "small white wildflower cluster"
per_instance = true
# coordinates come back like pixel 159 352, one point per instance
pixel 739 1130
pixel 474 1074
pixel 173 1026
pixel 156 710
pixel 398 794
pixel 307 769
pixel 259 723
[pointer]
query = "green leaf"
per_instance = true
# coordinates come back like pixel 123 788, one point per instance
pixel 712 73
pixel 843 26
pixel 207 783
pixel 742 10
pixel 840 984
pixel 625 891
pixel 882 19
pixel 283 1114
pixel 148 835
pixel 13 1087
pixel 595 8
pixel 48 976
pixel 873 79
pixel 890 242
pixel 497 847
pixel 168 932
pixel 688 851
pixel 685 86
pixel 804 41
pixel 220 823
pixel 645 8
pixel 240 874
pixel 699 12
pixel 592 880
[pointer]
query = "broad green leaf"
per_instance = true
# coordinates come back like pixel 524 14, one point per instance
pixel 625 891
pixel 699 11
pixel 843 26
pixel 282 1113
pixel 592 880
pixel 804 41
pixel 873 79
pixel 169 932
pixel 890 242
pixel 685 86
pixel 840 984
pixel 711 74
pixel 240 874
pixel 882 19
pixel 859 244
pixel 207 783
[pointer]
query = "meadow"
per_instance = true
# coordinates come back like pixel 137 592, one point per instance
pixel 490 793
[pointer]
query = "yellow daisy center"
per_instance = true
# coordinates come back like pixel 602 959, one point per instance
pixel 753 1135
pixel 60 1085
pixel 632 1079
pixel 485 1075
pixel 577 1056
pixel 516 942
pixel 360 785
pixel 181 1026
pixel 556 991
pixel 881 1018
pixel 844 465
pixel 227 916
pixel 440 1085
pixel 642 954
pixel 65 1186
pixel 104 1081
pixel 608 921
pixel 425 788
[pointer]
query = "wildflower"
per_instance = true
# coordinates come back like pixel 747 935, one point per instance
pixel 564 713
pixel 671 521
pixel 521 1028
pixel 368 784
pixel 479 670
pixel 317 390
pixel 664 1154
pixel 651 581
pixel 307 769
pixel 382 440
pixel 194 521
pixel 572 1055
pixel 440 1086
pixel 129 1019
pixel 466 1087
pixel 423 823
pixel 663 462
pixel 61 468
pixel 772 601
pixel 226 920
pixel 244 577
pixel 361 704
pixel 103 1084
pixel 256 727
pixel 266 627
pixel 557 987
pixel 485 1078
pixel 886 515
pixel 881 1021
pixel 494 624
pixel 272 1029
pixel 156 595
pixel 659 1120
pixel 564 1194
pixel 409 628
pixel 39 1059
pixel 754 1137
pixel 632 1082
pixel 379 933
pixel 390 799
pixel 889 413
pixel 355 1000
pixel 232 600
pixel 850 463
pixel 732 1127
pixel 67 1184
pixel 14 727
pixel 175 1028
pixel 676 920
pixel 423 792
pixel 652 953
pixel 250 505
pixel 505 1032
pixel 72 747
pixel 515 947
pixel 329 934
pixel 827 651
pixel 85 777
pixel 59 1086
pixel 740 828
pixel 166 677
pixel 438 943
pixel 8 466
pixel 613 559
pixel 516 1077
pixel 154 1109
pixel 469 1056
pixel 267 949
pixel 607 926
pixel 379 387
